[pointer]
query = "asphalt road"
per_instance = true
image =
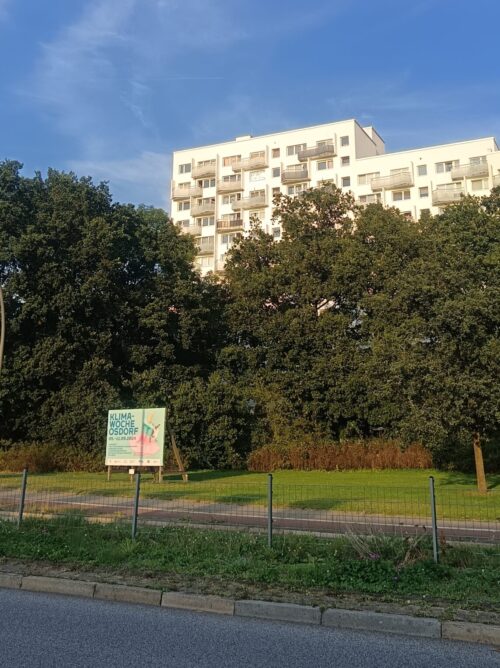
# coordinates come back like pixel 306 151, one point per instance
pixel 39 630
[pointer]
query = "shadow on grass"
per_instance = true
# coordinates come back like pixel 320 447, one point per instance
pixel 468 480
pixel 316 504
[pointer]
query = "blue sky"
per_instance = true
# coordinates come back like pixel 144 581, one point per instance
pixel 109 88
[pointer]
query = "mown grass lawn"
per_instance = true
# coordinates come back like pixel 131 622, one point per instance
pixel 387 492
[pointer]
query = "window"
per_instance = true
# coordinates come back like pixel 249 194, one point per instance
pixel 276 153
pixel 258 214
pixel 204 262
pixel 257 193
pixel 184 185
pixel 185 168
pixel 259 175
pixel 346 181
pixel 344 141
pixel 296 168
pixel 276 171
pixel 233 217
pixel 443 167
pixel 422 170
pixel 423 192
pixel 230 159
pixel 324 164
pixel 231 178
pixel 297 188
pixel 366 179
pixel 276 191
pixel 229 199
pixel 276 232
pixel 325 182
pixel 296 148
pixel 478 160
pixel 345 160
pixel 479 184
pixel 206 183
pixel 400 195
pixel 407 214
pixel 184 223
pixel 229 238
pixel 206 222
pixel 206 163
pixel 185 205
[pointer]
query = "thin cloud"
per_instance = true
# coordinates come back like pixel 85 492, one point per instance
pixel 144 178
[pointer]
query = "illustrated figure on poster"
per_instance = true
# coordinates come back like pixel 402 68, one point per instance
pixel 146 443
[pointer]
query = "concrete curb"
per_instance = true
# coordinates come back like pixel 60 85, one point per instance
pixel 284 612
pixel 197 602
pixel 423 627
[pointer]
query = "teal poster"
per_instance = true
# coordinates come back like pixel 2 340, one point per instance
pixel 135 437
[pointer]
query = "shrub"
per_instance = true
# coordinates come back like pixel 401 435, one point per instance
pixel 47 458
pixel 330 456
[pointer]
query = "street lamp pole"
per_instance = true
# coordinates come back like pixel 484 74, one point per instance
pixel 2 327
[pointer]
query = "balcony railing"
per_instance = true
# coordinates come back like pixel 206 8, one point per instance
pixel 470 170
pixel 446 196
pixel 205 246
pixel 229 225
pixel 393 181
pixel 324 151
pixel 256 162
pixel 294 175
pixel 369 199
pixel 229 186
pixel 254 202
pixel 496 180
pixel 203 208
pixel 201 171
pixel 185 193
pixel 192 229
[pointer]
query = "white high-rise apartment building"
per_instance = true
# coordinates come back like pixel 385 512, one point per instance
pixel 217 189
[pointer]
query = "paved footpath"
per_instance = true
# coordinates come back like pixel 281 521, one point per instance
pixel 40 630
pixel 159 511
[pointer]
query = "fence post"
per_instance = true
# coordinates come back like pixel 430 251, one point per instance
pixel 270 510
pixel 136 504
pixel 435 542
pixel 23 497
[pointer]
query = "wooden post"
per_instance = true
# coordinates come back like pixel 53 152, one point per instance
pixel 109 473
pixel 478 457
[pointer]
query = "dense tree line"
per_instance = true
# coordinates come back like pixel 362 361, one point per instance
pixel 358 323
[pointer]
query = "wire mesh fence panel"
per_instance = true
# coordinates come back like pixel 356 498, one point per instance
pixel 351 509
pixel 237 505
pixel 10 495
pixel 89 500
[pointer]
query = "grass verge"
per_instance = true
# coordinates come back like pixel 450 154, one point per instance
pixel 395 569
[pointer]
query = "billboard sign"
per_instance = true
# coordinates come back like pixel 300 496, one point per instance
pixel 135 437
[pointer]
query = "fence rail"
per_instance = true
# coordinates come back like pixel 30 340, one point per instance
pixel 263 506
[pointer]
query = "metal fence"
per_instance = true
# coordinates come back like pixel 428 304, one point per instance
pixel 270 506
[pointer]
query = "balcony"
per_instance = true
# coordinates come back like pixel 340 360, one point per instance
pixel 446 196
pixel 253 202
pixel 470 170
pixel 193 228
pixel 294 175
pixel 392 182
pixel 369 199
pixel 201 171
pixel 185 193
pixel 324 151
pixel 205 245
pixel 229 186
pixel 203 209
pixel 255 162
pixel 229 225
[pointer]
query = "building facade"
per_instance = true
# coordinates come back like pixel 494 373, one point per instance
pixel 217 189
